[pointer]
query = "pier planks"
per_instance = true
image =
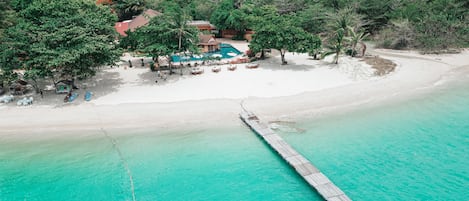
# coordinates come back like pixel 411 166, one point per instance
pixel 303 166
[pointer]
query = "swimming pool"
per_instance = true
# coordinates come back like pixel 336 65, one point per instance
pixel 226 52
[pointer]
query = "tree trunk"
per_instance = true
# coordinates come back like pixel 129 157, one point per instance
pixel 35 85
pixel 180 41
pixel 282 54
pixel 363 48
pixel 170 65
pixel 337 57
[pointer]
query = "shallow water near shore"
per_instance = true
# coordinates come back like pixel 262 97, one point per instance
pixel 207 164
pixel 411 150
pixel 414 150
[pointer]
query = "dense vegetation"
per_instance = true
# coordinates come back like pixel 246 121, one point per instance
pixel 69 39
pixel 57 39
pixel 430 26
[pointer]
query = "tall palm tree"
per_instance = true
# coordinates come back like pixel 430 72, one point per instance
pixel 343 25
pixel 336 45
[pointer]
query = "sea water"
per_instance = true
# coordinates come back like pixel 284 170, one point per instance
pixel 415 149
pixel 202 164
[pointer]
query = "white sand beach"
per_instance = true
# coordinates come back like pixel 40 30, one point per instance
pixel 130 98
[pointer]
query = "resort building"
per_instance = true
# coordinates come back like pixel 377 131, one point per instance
pixel 208 43
pixel 204 26
pixel 140 20
pixel 230 33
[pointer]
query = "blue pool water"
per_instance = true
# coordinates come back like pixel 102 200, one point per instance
pixel 226 51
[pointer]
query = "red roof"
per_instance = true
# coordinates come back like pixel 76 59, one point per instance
pixel 140 20
pixel 122 27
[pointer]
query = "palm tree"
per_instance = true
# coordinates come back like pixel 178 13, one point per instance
pixel 186 35
pixel 357 36
pixel 345 25
pixel 336 45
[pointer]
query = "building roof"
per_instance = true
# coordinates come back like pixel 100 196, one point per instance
pixel 141 20
pixel 202 25
pixel 207 39
pixel 122 27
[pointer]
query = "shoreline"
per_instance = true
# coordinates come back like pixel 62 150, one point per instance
pixel 412 77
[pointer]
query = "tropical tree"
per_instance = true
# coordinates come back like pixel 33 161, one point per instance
pixel 6 16
pixel 126 9
pixel 398 35
pixel 165 35
pixel 342 24
pixel 60 40
pixel 313 18
pixel 356 36
pixel 377 13
pixel 335 45
pixel 277 33
pixel 227 16
pixel 19 5
pixel 289 6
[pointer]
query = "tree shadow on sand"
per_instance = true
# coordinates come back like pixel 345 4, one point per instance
pixel 274 64
pixel 149 78
pixel 105 82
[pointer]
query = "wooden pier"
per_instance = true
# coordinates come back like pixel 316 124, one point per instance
pixel 303 167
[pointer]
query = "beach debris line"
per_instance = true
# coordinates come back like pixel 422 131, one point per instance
pixel 302 166
pixel 124 162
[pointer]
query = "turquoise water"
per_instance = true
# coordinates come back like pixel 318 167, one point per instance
pixel 213 164
pixel 411 150
pixel 417 150
pixel 226 51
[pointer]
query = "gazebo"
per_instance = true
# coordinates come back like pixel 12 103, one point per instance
pixel 63 87
pixel 208 43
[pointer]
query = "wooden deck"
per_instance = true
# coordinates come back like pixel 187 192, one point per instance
pixel 303 167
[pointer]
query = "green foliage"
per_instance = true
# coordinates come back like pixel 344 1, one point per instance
pixel 227 16
pixel 289 6
pixel 60 39
pixel 165 35
pixel 7 16
pixel 345 25
pixel 202 9
pixel 126 9
pixel 430 25
pixel 336 45
pixel 313 19
pixel 376 12
pixel 336 4
pixel 398 35
pixel 280 35
pixel 356 36
pixel 19 5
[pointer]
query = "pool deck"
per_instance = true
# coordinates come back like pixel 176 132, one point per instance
pixel 226 51
pixel 302 166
